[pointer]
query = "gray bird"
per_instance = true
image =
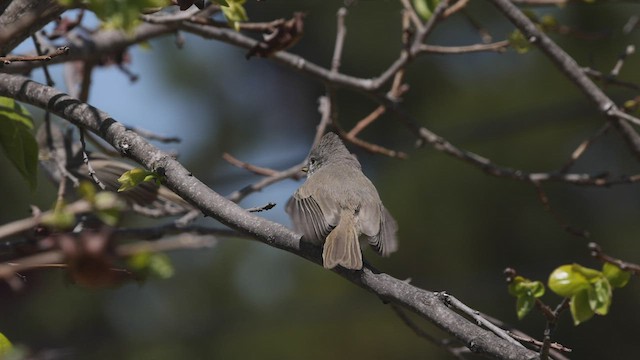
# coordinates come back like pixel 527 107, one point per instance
pixel 338 206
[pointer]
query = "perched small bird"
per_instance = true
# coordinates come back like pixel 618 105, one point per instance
pixel 57 149
pixel 338 206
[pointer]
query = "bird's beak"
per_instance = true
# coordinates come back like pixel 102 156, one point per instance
pixel 305 169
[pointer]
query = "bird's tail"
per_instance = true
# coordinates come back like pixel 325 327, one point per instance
pixel 342 246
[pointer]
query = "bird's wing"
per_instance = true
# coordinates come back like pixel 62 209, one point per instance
pixel 385 241
pixel 311 215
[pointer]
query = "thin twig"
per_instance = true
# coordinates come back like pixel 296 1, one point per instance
pixel 451 301
pixel 598 253
pixel 341 33
pixel 266 207
pixel 85 159
pixel 18 226
pixel 6 60
pixel 499 46
pixel 577 153
pixel 244 165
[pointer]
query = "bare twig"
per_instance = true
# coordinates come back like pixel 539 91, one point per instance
pixel 266 207
pixel 499 46
pixel 475 315
pixel 577 153
pixel 6 60
pixel 244 165
pixel 598 253
pixel 15 227
pixel 85 159
pixel 341 33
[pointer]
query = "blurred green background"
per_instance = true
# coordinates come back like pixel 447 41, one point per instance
pixel 459 228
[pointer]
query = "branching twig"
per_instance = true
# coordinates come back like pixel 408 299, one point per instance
pixel 475 315
pixel 598 253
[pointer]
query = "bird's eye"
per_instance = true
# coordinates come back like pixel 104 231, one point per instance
pixel 312 161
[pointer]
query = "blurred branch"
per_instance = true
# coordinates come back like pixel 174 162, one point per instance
pixel 425 303
pixel 18 226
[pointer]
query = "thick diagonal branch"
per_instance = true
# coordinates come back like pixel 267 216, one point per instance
pixel 182 182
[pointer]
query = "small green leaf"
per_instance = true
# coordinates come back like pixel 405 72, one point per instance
pixel 134 177
pixel 524 304
pixel 154 264
pixel 600 296
pixel 118 14
pixel 548 22
pixel 221 2
pixel 425 8
pixel 526 292
pixel 109 207
pixel 567 280
pixel 5 346
pixel 235 13
pixel 87 191
pixel 580 309
pixel 59 219
pixel 17 141
pixel 616 276
pixel 522 286
pixel 519 42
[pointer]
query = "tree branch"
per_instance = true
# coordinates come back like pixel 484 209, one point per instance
pixel 425 303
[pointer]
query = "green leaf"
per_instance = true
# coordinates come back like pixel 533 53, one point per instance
pixel 119 14
pixel 519 42
pixel 17 141
pixel 526 291
pixel 423 9
pixel 109 207
pixel 59 219
pixel 524 304
pixel 616 276
pixel 568 280
pixel 522 286
pixel 221 2
pixel 155 264
pixel 600 296
pixel 5 346
pixel 235 13
pixel 580 309
pixel 134 177
pixel 87 191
